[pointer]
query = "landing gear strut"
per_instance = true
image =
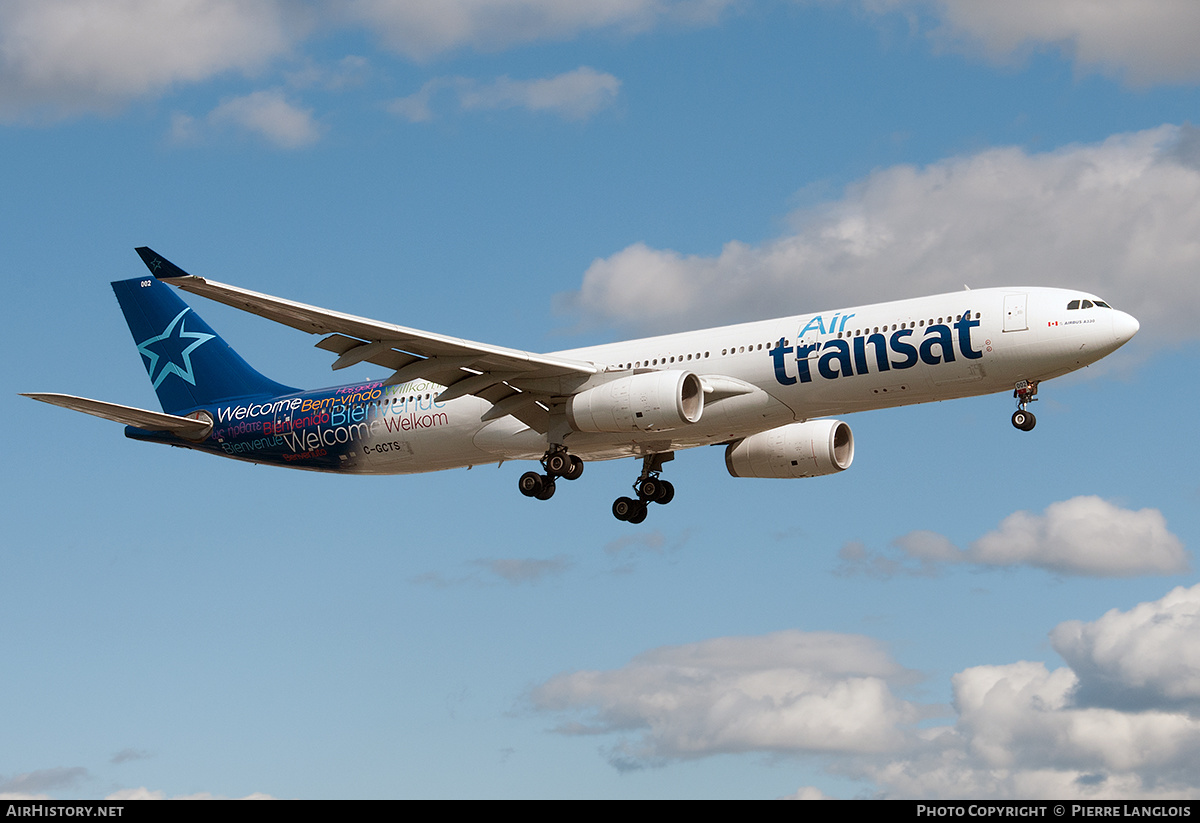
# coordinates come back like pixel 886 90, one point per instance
pixel 1026 393
pixel 556 463
pixel 650 488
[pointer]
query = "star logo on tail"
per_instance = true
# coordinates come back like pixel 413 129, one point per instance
pixel 171 353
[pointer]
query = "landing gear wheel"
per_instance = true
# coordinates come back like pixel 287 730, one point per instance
pixel 639 512
pixel 531 484
pixel 558 463
pixel 574 470
pixel 622 507
pixel 666 492
pixel 1023 420
pixel 547 489
pixel 649 488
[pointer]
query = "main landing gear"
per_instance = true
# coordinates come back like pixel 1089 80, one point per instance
pixel 557 463
pixel 1026 393
pixel 650 488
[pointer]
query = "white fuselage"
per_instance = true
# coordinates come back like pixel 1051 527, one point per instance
pixel 769 373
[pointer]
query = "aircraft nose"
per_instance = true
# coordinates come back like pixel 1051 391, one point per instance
pixel 1125 326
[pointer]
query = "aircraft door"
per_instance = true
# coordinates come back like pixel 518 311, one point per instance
pixel 1015 318
pixel 811 339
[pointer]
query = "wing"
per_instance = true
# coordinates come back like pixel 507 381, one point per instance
pixel 186 427
pixel 516 382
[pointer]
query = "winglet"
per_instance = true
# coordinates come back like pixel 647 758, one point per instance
pixel 159 266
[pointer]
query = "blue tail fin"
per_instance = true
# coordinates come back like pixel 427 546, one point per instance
pixel 188 363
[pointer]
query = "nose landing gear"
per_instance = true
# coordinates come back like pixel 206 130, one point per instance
pixel 650 488
pixel 1026 393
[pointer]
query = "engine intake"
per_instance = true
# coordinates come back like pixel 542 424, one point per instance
pixel 653 401
pixel 808 449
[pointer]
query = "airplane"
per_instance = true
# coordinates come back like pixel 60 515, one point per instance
pixel 767 391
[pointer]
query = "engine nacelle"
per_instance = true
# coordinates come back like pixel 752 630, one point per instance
pixel 652 401
pixel 807 449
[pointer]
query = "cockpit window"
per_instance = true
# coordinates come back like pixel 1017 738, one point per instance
pixel 1087 304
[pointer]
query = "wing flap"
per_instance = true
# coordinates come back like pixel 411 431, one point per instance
pixel 185 427
pixel 358 351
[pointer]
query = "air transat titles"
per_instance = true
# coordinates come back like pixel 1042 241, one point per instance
pixel 848 356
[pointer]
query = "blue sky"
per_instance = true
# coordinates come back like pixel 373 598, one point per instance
pixel 968 611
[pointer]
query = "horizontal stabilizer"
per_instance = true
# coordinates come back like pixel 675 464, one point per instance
pixel 186 427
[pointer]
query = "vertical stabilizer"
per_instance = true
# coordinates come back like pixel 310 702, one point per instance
pixel 188 363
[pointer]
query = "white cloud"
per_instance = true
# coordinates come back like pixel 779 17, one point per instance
pixel 32 784
pixel 68 57
pixel 72 56
pixel 348 72
pixel 1084 535
pixel 270 115
pixel 127 755
pixel 525 569
pixel 142 793
pixel 1119 218
pixel 1147 41
pixel 1145 658
pixel 1081 536
pixel 515 570
pixel 807 793
pixel 650 542
pixel 574 95
pixel 791 691
pixel 1019 736
pixel 267 114
pixel 1024 731
pixel 1020 731
pixel 417 107
pixel 421 30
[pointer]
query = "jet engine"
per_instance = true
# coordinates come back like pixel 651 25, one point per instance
pixel 807 449
pixel 652 401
